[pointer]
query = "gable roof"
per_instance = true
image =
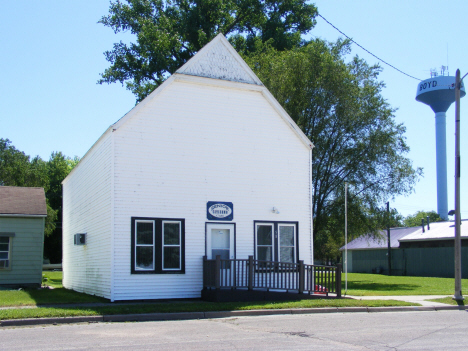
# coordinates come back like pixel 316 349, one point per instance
pixel 217 64
pixel 223 67
pixel 219 60
pixel 22 201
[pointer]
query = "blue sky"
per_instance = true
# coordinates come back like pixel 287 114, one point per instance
pixel 52 54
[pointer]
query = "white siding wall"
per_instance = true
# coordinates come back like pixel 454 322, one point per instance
pixel 197 143
pixel 87 209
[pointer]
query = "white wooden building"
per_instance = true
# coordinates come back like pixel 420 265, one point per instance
pixel 208 164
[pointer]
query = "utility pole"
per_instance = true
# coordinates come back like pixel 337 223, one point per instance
pixel 389 252
pixel 458 291
pixel 346 236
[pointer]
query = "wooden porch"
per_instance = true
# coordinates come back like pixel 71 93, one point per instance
pixel 253 280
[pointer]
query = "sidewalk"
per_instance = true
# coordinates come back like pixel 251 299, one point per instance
pixel 409 298
pixel 425 306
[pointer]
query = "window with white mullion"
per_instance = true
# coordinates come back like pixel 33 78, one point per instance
pixel 171 245
pixel 287 243
pixel 4 251
pixel 144 245
pixel 265 242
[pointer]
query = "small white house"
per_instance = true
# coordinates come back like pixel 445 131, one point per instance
pixel 208 164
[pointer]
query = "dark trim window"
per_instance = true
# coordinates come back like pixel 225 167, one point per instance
pixel 5 250
pixel 276 241
pixel 158 245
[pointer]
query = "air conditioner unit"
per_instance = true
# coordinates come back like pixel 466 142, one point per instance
pixel 80 239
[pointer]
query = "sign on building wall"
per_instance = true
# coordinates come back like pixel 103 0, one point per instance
pixel 219 211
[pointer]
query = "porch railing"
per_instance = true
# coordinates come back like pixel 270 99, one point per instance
pixel 252 274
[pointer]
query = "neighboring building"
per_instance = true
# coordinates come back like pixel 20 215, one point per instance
pixel 415 252
pixel 208 164
pixel 22 216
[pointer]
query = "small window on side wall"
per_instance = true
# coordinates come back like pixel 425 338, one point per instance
pixel 158 245
pixel 5 250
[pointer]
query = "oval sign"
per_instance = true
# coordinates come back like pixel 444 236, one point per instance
pixel 220 210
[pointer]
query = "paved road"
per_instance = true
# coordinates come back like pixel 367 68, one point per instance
pixel 442 330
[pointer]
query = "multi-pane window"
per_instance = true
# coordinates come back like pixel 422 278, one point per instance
pixel 287 242
pixel 171 245
pixel 276 241
pixel 144 245
pixel 4 252
pixel 158 245
pixel 265 242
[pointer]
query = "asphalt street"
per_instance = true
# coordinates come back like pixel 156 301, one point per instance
pixel 438 330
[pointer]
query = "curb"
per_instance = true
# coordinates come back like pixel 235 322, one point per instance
pixel 59 320
pixel 146 317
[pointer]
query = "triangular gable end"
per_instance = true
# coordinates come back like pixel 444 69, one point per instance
pixel 219 60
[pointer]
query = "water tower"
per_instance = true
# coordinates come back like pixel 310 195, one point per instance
pixel 439 93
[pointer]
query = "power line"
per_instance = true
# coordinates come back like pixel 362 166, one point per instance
pixel 363 48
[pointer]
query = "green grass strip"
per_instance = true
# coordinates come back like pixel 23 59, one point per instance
pixel 42 312
pixel 361 284
pixel 449 301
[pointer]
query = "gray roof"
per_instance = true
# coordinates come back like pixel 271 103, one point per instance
pixel 380 241
pixel 24 201
pixel 437 231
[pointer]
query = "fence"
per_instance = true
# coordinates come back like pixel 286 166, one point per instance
pixel 252 274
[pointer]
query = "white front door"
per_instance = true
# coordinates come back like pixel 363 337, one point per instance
pixel 220 240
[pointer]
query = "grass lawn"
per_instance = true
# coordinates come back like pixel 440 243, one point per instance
pixel 10 298
pixel 197 306
pixel 57 295
pixel 448 300
pixel 360 284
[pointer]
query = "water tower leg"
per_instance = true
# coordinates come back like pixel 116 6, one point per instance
pixel 441 159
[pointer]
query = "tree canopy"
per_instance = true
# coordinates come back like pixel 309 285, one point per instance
pixel 415 219
pixel 168 33
pixel 339 106
pixel 18 169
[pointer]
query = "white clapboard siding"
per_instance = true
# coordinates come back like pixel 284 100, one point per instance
pixel 202 141
pixel 87 209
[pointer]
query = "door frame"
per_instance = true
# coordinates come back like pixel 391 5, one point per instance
pixel 221 224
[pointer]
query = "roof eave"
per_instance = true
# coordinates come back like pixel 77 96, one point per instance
pixel 21 215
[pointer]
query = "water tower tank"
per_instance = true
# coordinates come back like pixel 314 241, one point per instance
pixel 439 93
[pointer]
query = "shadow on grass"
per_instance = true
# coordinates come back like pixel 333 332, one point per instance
pixel 366 285
pixel 61 295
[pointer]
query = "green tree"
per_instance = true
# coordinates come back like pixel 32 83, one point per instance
pixel 362 219
pixel 168 33
pixel 18 169
pixel 58 167
pixel 339 106
pixel 415 219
